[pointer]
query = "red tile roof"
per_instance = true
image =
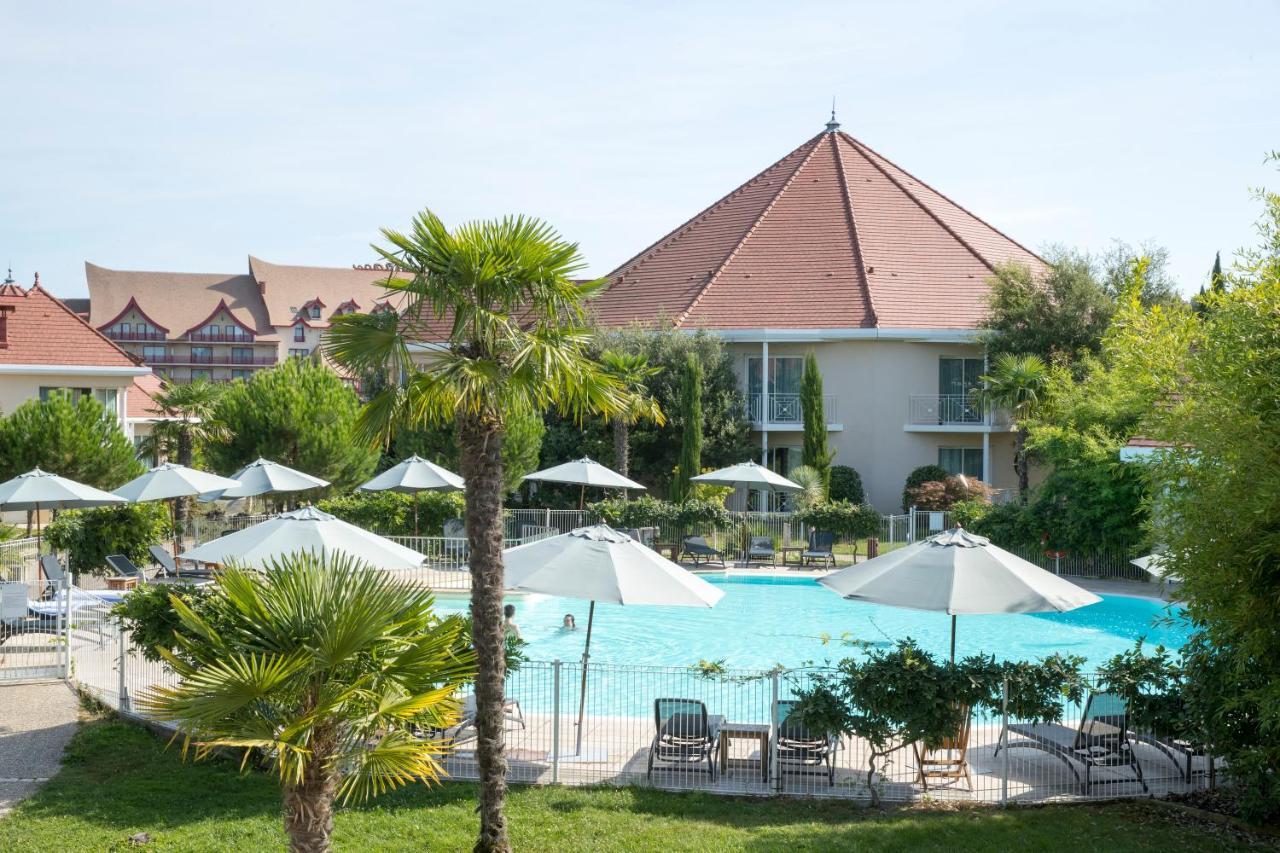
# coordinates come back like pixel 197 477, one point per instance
pixel 41 330
pixel 831 236
pixel 141 402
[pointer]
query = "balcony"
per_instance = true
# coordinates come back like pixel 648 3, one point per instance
pixel 786 409
pixel 221 360
pixel 950 412
pixel 219 338
pixel 117 335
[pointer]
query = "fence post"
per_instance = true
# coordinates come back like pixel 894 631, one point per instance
pixel 546 517
pixel 121 691
pixel 64 625
pixel 1004 742
pixel 911 525
pixel 555 721
pixel 774 776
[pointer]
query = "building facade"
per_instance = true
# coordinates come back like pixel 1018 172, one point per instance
pixel 837 251
pixel 221 327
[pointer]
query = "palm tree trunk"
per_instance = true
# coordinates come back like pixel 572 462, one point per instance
pixel 1020 462
pixel 480 458
pixel 621 448
pixel 186 454
pixel 308 808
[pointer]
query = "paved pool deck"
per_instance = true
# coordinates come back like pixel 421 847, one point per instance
pixel 37 720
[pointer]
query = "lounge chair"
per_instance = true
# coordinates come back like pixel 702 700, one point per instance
pixel 124 568
pixel 169 566
pixel 821 548
pixel 801 751
pixel 761 548
pixel 55 576
pixel 685 735
pixel 1101 740
pixel 456 547
pixel 464 728
pixel 15 618
pixel 698 548
pixel 949 759
pixel 1180 752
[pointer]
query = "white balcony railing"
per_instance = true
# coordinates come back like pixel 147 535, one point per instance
pixel 948 410
pixel 786 409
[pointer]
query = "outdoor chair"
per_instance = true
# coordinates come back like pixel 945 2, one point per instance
pixel 685 736
pixel 821 548
pixel 949 759
pixel 1180 752
pixel 1100 741
pixel 123 567
pixel 456 548
pixel 169 566
pixel 55 576
pixel 16 618
pixel 464 728
pixel 761 548
pixel 801 751
pixel 698 548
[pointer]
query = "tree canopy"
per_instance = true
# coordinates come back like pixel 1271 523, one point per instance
pixel 79 440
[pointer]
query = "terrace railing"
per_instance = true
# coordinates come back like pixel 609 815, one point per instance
pixel 787 408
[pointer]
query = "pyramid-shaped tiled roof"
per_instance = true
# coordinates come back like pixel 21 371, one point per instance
pixel 832 236
pixel 41 331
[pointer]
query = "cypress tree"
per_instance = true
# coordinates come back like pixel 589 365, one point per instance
pixel 691 435
pixel 816 454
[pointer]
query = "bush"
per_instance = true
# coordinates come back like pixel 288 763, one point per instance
pixel 923 474
pixel 148 614
pixel 391 513
pixel 943 494
pixel 645 511
pixel 846 485
pixel 88 536
pixel 846 520
pixel 1009 525
pixel 697 511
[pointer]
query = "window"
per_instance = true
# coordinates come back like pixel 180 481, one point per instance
pixel 299 353
pixel 242 355
pixel 961 460
pixel 201 374
pixel 126 329
pixel 239 374
pixel 46 391
pixel 784 389
pixel 314 312
pixel 107 397
pixel 151 352
pixel 202 355
pixel 299 333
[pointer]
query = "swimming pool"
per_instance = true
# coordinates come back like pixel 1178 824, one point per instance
pixel 765 621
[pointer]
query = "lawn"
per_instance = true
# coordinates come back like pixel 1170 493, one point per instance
pixel 119 780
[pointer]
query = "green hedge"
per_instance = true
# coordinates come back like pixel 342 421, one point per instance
pixel 88 536
pixel 391 513
pixel 847 520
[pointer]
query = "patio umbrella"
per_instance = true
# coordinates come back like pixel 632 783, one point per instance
pixel 39 490
pixel 266 477
pixel 957 572
pixel 584 472
pixel 1153 564
pixel 169 482
pixel 748 475
pixel 414 475
pixel 306 529
pixel 599 563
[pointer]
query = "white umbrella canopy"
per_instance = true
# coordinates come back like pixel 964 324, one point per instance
pixel 584 472
pixel 263 477
pixel 599 563
pixel 1153 564
pixel 39 490
pixel 415 474
pixel 752 475
pixel 306 529
pixel 956 572
pixel 171 480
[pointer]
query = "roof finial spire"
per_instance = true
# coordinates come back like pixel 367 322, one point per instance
pixel 8 279
pixel 833 125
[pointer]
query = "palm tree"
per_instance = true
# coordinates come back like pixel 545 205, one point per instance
pixel 516 338
pixel 813 486
pixel 631 370
pixel 1017 383
pixel 327 668
pixel 189 412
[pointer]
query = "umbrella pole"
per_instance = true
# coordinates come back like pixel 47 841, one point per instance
pixel 173 519
pixel 582 499
pixel 953 638
pixel 582 690
pixel 415 514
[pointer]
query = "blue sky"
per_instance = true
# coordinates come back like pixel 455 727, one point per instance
pixel 184 137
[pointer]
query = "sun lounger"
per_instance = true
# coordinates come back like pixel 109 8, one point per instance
pixel 685 735
pixel 801 751
pixel 464 729
pixel 1179 751
pixel 821 548
pixel 123 567
pixel 1100 741
pixel 456 548
pixel 169 566
pixel 15 617
pixel 698 548
pixel 761 548
pixel 54 574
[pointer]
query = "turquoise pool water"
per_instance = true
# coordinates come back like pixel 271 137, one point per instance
pixel 764 621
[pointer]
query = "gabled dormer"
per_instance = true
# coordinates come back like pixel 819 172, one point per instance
pixel 133 324
pixel 221 326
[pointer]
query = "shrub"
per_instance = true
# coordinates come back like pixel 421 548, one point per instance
pixel 645 511
pixel 88 536
pixel 391 513
pixel 846 485
pixel 923 474
pixel 850 521
pixel 942 494
pixel 1008 525
pixel 700 511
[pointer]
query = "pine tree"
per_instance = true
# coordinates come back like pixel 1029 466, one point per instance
pixel 691 437
pixel 816 453
pixel 1217 284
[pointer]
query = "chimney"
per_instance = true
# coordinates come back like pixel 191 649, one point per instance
pixel 5 311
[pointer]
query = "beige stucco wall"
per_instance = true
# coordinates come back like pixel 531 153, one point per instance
pixel 16 389
pixel 872 381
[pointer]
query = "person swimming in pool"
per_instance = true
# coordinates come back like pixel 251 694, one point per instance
pixel 509 622
pixel 569 623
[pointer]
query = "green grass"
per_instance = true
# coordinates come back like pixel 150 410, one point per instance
pixel 119 780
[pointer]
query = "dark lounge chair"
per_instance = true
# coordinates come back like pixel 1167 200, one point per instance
pixel 123 567
pixel 801 751
pixel 821 548
pixel 1101 741
pixel 698 548
pixel 685 736
pixel 761 548
pixel 55 576
pixel 169 567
